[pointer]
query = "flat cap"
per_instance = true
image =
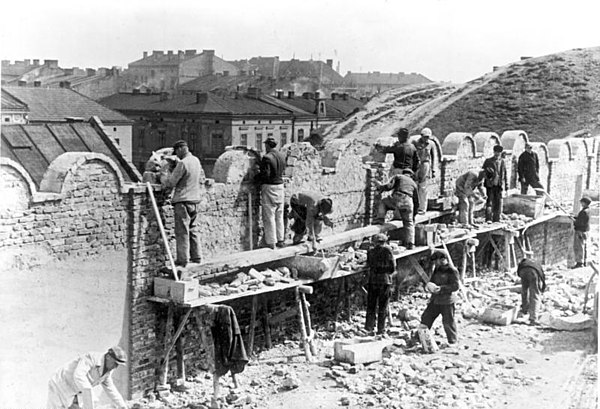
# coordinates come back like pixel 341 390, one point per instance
pixel 179 144
pixel 118 354
pixel 437 254
pixel 498 148
pixel 585 199
pixel 271 142
pixel 426 132
pixel 380 238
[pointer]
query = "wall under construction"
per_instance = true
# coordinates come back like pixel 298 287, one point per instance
pixel 96 212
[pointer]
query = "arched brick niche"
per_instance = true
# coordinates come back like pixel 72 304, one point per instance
pixel 459 144
pixel 485 142
pixel 16 185
pixel 235 165
pixel 514 140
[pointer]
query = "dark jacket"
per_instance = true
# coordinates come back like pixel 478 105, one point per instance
pixel 529 264
pixel 403 185
pixel 381 263
pixel 582 220
pixel 528 167
pixel 495 173
pixel 447 278
pixel 405 155
pixel 230 353
pixel 272 167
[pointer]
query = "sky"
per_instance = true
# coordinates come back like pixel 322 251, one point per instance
pixel 445 40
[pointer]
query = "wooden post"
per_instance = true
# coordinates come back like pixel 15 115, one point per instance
pixel 303 335
pixel 463 269
pixel 164 369
pixel 252 324
pixel 250 218
pixel 266 324
pixel 179 348
pixel 162 230
pixel 578 191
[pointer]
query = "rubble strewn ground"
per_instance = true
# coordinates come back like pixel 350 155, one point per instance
pixel 514 366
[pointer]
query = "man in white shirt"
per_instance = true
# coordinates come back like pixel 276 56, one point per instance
pixel 71 386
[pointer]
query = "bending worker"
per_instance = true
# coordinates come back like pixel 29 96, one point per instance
pixel 533 283
pixel 309 211
pixel 466 184
pixel 403 201
pixel 71 385
pixel 405 153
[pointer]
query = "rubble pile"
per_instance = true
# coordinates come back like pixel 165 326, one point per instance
pixel 253 280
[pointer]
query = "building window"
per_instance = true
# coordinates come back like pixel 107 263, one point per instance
pixel 118 141
pixel 7 119
pixel 300 135
pixel 283 138
pixel 141 138
pixel 162 139
pixel 258 142
pixel 114 129
pixel 270 135
pixel 218 144
pixel 244 139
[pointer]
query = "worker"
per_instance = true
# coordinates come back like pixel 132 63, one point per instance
pixel 443 286
pixel 71 386
pixel 581 225
pixel 528 170
pixel 425 169
pixel 469 191
pixel 272 195
pixel 405 153
pixel 185 179
pixel 381 264
pixel 496 184
pixel 533 284
pixel 403 201
pixel 310 211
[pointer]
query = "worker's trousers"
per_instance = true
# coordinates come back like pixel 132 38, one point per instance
pixel 272 201
pixel 466 206
pixel 535 184
pixel 580 246
pixel 493 206
pixel 187 234
pixel 448 311
pixel 530 293
pixel 402 205
pixel 378 298
pixel 422 177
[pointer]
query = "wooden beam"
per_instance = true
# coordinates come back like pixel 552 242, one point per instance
pixel 419 269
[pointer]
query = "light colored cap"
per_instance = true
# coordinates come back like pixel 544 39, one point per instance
pixel 426 132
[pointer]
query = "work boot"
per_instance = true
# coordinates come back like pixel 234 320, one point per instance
pixel 280 244
pixel 577 265
pixel 270 246
pixel 410 246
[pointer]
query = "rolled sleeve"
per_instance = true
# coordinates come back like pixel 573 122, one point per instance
pixel 112 392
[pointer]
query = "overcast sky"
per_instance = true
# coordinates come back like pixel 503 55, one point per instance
pixel 445 40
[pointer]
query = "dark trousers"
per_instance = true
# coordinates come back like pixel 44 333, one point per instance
pixel 433 311
pixel 530 294
pixel 493 206
pixel 535 184
pixel 298 213
pixel 378 298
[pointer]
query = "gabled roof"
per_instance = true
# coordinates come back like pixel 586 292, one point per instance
pixel 35 146
pixel 10 103
pixel 210 103
pixel 56 104
pixel 311 69
pixel 384 78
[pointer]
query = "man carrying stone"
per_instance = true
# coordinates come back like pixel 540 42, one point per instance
pixel 443 286
pixel 309 211
pixel 496 183
pixel 403 200
pixel 185 179
pixel 528 170
pixel 465 187
pixel 71 386
pixel 272 195
pixel 533 284
pixel 426 168
pixel 381 264
pixel 405 153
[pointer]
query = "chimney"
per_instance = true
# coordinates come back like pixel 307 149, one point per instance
pixel 180 54
pixel 209 53
pixel 525 58
pixel 27 62
pixel 253 92
pixel 51 63
pixel 6 63
pixel 145 54
pixel 225 73
pixel 164 96
pixel 190 53
pixel 308 95
pixel 22 83
pixel 157 52
pixel 170 52
pixel 279 93
pixel 495 68
pixel 201 97
pixel 37 84
pixel 330 62
pixel 290 94
pixel 69 71
pixel 317 94
pixel 136 91
pixel 36 62
pixel 89 72
pixel 67 84
pixel 333 96
pixel 345 96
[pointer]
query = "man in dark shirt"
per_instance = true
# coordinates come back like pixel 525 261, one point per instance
pixel 310 211
pixel 424 146
pixel 528 169
pixel 382 265
pixel 443 286
pixel 403 201
pixel 533 284
pixel 405 153
pixel 270 175
pixel 496 182
pixel 581 224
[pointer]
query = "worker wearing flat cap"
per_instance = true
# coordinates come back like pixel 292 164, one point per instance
pixel 425 169
pixel 533 284
pixel 310 210
pixel 71 386
pixel 404 200
pixel 185 179
pixel 443 286
pixel 496 184
pixel 381 264
pixel 272 195
pixel 405 153
pixel 528 170
pixel 581 226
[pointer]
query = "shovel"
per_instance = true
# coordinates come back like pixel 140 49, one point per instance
pixel 543 191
